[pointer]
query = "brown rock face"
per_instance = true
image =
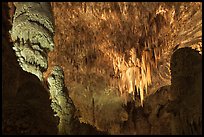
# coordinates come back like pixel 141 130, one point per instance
pixel 186 87
pixel 125 66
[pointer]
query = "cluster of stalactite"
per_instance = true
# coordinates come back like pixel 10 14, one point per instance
pixel 136 44
pixel 127 45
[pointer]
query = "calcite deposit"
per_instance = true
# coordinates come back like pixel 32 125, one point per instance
pixel 104 67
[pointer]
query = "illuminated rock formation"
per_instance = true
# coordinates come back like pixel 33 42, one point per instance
pixel 61 102
pixel 32 33
pixel 123 47
pixel 123 63
pixel 136 43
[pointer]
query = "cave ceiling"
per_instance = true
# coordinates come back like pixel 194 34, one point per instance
pixel 122 46
pixel 113 50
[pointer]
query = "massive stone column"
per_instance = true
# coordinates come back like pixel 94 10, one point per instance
pixel 32 34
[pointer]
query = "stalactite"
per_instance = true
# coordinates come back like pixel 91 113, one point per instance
pixel 145 55
pixel 32 33
pixel 148 74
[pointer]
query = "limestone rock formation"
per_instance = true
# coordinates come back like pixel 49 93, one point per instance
pixel 32 33
pixel 61 103
pixel 119 51
pixel 123 66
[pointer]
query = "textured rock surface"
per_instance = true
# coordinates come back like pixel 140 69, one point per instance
pixel 32 33
pixel 111 53
pixel 187 91
pixel 61 104
pixel 116 61
pixel 64 108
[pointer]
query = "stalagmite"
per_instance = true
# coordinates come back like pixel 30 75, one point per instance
pixel 61 104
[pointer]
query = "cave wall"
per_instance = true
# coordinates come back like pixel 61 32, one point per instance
pixel 186 88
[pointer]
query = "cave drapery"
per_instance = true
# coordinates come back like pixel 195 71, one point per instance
pixel 122 68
